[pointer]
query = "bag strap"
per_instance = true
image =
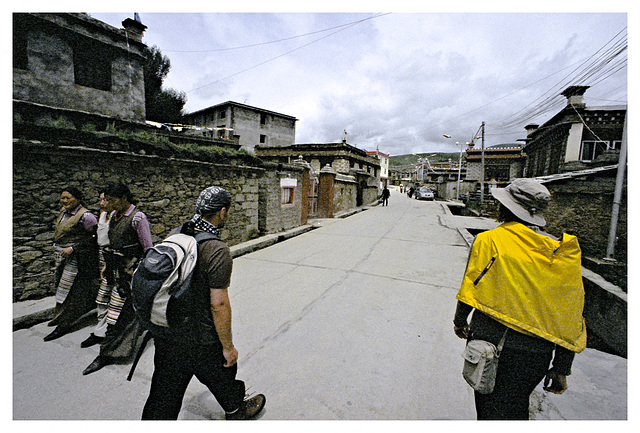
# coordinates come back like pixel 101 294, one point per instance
pixel 145 340
pixel 205 236
pixel 501 344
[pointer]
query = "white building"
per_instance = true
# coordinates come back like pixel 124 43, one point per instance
pixel 384 166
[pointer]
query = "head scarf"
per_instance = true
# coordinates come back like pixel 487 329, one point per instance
pixel 210 200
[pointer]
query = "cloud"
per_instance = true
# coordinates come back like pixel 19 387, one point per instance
pixel 397 81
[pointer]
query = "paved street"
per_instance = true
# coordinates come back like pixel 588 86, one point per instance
pixel 350 321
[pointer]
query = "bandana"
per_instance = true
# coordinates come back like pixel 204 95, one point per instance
pixel 211 199
pixel 200 224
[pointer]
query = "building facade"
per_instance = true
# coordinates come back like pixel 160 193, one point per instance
pixel 384 166
pixel 357 172
pixel 502 164
pixel 576 138
pixel 251 125
pixel 68 64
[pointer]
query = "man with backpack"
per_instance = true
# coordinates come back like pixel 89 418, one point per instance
pixel 208 351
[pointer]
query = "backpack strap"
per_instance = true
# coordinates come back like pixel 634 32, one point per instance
pixel 205 236
pixel 145 340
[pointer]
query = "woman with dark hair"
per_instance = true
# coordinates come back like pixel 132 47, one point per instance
pixel 76 258
pixel 129 237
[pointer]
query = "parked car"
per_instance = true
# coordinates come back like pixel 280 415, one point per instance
pixel 424 193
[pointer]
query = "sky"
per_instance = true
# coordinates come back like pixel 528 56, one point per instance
pixel 397 80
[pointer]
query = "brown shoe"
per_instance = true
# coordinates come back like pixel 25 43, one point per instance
pixel 248 408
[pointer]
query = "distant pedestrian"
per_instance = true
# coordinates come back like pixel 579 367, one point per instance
pixel 76 258
pixel 209 354
pixel 410 193
pixel 385 196
pixel 129 237
pixel 526 289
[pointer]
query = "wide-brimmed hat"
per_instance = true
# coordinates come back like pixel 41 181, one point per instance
pixel 525 198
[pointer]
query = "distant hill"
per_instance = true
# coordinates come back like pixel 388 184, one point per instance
pixel 403 160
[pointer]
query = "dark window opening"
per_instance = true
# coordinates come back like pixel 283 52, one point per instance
pixel 497 172
pixel 20 58
pixel 92 66
pixel 263 119
pixel 263 139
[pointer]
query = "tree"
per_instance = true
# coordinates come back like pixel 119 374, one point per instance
pixel 161 105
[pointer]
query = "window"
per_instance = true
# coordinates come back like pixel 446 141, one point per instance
pixel 20 59
pixel 263 119
pixel 223 114
pixel 287 192
pixel 592 149
pixel 497 172
pixel 288 196
pixel 92 65
pixel 263 139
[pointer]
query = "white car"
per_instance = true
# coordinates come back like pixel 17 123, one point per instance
pixel 423 193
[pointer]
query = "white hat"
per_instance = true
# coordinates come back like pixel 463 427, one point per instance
pixel 525 198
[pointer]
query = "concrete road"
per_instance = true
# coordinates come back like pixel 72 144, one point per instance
pixel 350 321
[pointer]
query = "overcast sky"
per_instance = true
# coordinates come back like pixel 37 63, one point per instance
pixel 393 80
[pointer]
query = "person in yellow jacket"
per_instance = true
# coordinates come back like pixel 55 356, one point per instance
pixel 525 285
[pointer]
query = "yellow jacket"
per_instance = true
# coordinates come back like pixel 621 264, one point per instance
pixel 528 282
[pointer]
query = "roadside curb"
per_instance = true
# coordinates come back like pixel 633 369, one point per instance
pixel 32 312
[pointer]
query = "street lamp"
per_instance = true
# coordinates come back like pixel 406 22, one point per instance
pixel 459 165
pixel 422 161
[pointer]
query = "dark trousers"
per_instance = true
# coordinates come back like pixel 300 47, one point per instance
pixel 175 365
pixel 519 373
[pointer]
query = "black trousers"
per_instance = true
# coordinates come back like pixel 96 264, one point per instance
pixel 175 365
pixel 519 372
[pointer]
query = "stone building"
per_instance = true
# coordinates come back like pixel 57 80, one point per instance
pixel 576 138
pixel 251 125
pixel 502 163
pixel 71 67
pixel 357 173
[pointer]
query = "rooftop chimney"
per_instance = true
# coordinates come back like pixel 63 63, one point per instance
pixel 134 27
pixel 531 127
pixel 574 95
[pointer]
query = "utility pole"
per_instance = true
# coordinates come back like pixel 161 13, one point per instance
pixel 617 195
pixel 482 168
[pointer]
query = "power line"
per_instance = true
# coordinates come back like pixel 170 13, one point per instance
pixel 343 28
pixel 507 95
pixel 278 40
pixel 598 65
pixel 551 101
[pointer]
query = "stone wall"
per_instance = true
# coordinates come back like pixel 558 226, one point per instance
pixel 344 193
pixel 583 208
pixel 166 189
pixel 275 216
